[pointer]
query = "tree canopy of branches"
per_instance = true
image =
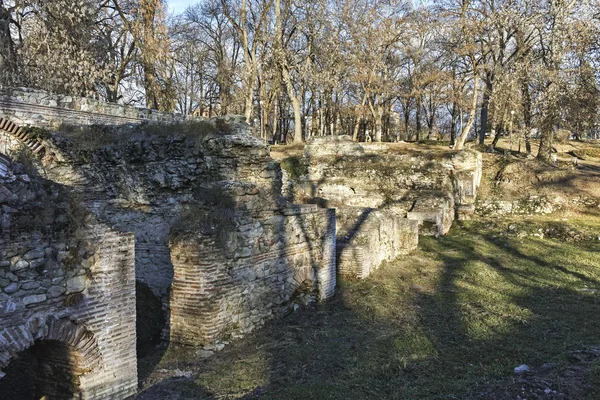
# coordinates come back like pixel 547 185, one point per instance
pixel 381 70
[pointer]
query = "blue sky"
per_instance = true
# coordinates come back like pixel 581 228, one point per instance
pixel 178 6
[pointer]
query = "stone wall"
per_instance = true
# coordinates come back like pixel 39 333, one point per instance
pixel 153 184
pixel 67 290
pixel 278 263
pixel 376 186
pixel 207 202
pixel 43 109
pixel 366 238
pixel 525 206
pixel 342 172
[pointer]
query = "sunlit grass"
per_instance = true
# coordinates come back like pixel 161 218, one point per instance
pixel 456 316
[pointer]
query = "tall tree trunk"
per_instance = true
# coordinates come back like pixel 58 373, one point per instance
pixel 281 59
pixel 295 105
pixel 249 105
pixel 418 118
pixel 550 117
pixel 378 129
pixel 149 52
pixel 500 127
pixel 485 105
pixel 276 132
pixel 550 108
pixel 377 112
pixel 314 114
pixel 454 117
pixel 460 142
pixel 8 55
pixel 359 118
pixel 406 112
pixel 526 103
pixel 545 150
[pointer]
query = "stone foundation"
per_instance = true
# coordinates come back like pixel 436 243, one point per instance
pixel 431 188
pixel 367 238
pixel 434 213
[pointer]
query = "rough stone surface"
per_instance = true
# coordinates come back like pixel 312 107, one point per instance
pixel 373 188
pixel 434 213
pixel 366 238
pixel 93 330
pixel 526 206
pixel 38 108
pixel 285 259
pixel 226 186
pixel 223 188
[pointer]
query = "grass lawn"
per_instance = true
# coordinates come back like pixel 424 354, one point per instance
pixel 450 321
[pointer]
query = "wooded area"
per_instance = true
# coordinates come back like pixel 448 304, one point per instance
pixel 380 70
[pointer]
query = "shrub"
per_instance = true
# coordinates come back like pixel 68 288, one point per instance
pixel 294 166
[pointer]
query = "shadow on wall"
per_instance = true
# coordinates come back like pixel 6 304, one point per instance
pixel 238 266
pixel 240 255
pixel 452 320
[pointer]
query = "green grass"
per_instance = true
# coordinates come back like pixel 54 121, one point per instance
pixel 447 322
pixel 429 142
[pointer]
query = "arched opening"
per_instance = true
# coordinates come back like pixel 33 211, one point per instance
pixel 46 361
pixel 30 141
pixel 48 370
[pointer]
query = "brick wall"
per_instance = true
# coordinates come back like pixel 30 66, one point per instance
pixel 367 238
pixel 281 261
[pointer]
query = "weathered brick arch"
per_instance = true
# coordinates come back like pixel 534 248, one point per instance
pixel 22 136
pixel 78 338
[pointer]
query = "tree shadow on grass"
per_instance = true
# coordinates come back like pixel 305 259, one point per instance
pixel 450 321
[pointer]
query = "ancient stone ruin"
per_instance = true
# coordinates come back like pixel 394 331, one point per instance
pixel 68 293
pixel 385 198
pixel 193 215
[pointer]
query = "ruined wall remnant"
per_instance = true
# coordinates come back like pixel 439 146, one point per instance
pixel 254 257
pixel 431 188
pixel 366 238
pixel 214 238
pixel 67 292
pixel 272 265
pixel 38 108
pixel 214 183
pixel 210 235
